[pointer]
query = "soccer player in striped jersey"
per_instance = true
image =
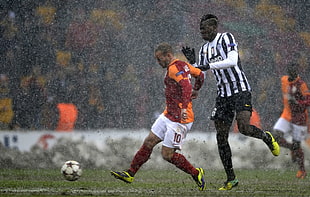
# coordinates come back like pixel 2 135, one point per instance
pixel 220 55
pixel 172 126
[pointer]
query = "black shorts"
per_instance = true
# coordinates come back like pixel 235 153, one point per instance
pixel 225 107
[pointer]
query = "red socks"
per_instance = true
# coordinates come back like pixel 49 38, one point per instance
pixel 182 163
pixel 299 156
pixel 177 159
pixel 139 159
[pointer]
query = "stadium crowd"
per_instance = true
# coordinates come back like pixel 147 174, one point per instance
pixel 97 55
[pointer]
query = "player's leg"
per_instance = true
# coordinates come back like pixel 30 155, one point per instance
pixel 282 127
pixel 225 154
pixel 245 128
pixel 183 164
pixel 222 115
pixel 298 155
pixel 142 156
pixel 145 151
pixel 179 161
pixel 243 122
pixel 173 141
pixel 155 136
pixel 299 134
pixel 243 109
pixel 224 150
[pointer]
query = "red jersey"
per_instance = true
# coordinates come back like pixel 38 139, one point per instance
pixel 178 89
pixel 292 92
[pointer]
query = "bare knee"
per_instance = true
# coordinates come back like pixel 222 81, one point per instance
pixel 167 153
pixel 167 157
pixel 243 128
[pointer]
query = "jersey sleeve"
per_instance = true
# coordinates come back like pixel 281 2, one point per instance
pixel 229 43
pixel 304 89
pixel 230 61
pixel 182 78
pixel 306 95
pixel 229 46
pixel 198 75
pixel 286 113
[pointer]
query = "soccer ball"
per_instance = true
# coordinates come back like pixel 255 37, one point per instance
pixel 71 170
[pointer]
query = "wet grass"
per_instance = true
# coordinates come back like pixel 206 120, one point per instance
pixel 150 183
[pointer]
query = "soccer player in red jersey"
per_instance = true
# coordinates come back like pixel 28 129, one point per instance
pixel 294 117
pixel 172 126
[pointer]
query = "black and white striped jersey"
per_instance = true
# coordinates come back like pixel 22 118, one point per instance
pixel 230 77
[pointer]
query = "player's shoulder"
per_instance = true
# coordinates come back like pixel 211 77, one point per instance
pixel 302 83
pixel 176 66
pixel 284 78
pixel 227 37
pixel 179 64
pixel 227 34
pixel 284 81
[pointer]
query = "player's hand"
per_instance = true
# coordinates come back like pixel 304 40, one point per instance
pixel 189 54
pixel 204 67
pixel 183 114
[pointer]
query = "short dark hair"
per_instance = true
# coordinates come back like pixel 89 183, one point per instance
pixel 292 70
pixel 210 17
pixel 293 67
pixel 164 48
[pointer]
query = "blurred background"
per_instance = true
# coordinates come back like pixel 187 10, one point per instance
pixel 98 55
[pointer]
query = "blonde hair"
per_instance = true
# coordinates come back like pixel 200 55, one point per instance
pixel 165 48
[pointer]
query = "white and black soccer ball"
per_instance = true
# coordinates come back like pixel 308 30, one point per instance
pixel 71 170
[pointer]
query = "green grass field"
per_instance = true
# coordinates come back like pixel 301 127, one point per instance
pixel 150 183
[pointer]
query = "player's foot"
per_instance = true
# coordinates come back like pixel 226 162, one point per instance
pixel 200 179
pixel 301 174
pixel 123 175
pixel 228 185
pixel 273 145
